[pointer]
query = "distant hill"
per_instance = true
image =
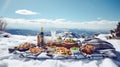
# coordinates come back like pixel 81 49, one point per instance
pixel 33 32
pixel 21 32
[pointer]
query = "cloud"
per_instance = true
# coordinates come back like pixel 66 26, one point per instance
pixel 25 12
pixel 35 24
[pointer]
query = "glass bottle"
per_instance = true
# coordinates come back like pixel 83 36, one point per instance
pixel 38 40
pixel 42 37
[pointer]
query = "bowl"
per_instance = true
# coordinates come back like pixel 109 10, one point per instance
pixel 74 50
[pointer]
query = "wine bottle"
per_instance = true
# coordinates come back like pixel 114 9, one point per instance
pixel 38 39
pixel 42 37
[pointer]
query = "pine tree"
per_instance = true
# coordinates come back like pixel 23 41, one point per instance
pixel 117 30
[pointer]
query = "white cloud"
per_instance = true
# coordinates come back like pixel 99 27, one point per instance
pixel 60 23
pixel 25 12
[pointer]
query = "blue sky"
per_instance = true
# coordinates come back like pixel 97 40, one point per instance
pixel 71 14
pixel 73 10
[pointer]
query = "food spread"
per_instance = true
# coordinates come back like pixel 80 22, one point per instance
pixel 35 49
pixel 87 49
pixel 62 47
pixel 62 51
pixel 69 41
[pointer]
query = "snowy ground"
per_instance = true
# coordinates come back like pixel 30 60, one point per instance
pixel 6 60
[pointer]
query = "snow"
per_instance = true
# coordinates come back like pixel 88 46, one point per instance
pixel 108 63
pixel 6 60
